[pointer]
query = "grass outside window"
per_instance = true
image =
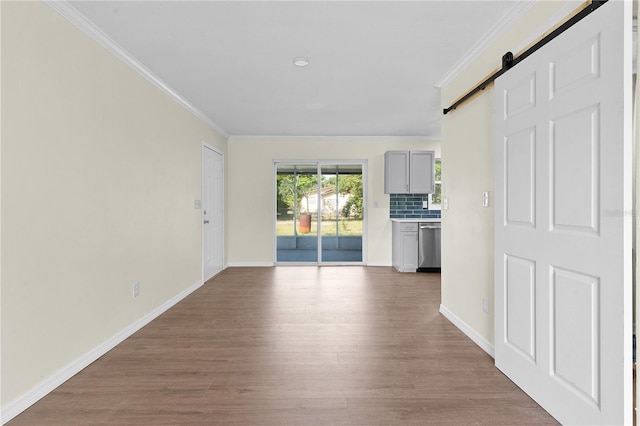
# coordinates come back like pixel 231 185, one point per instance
pixel 346 227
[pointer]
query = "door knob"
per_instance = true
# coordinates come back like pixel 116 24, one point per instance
pixel 206 221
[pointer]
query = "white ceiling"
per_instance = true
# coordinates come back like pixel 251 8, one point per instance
pixel 373 65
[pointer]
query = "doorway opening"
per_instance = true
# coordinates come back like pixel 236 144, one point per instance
pixel 320 214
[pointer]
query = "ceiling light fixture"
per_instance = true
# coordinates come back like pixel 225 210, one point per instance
pixel 300 62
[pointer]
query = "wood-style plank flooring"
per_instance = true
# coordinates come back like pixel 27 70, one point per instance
pixel 295 346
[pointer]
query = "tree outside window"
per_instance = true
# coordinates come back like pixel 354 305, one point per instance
pixel 435 199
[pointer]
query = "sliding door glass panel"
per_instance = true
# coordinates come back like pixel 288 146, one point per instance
pixel 341 213
pixel 297 213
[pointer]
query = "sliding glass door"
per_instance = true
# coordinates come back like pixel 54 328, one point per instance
pixel 319 199
pixel 341 218
pixel 296 213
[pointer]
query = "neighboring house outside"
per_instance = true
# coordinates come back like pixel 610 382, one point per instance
pixel 329 201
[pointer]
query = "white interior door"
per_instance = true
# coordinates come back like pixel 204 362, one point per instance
pixel 562 247
pixel 212 211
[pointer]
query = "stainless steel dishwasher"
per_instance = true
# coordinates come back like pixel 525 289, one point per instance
pixel 429 246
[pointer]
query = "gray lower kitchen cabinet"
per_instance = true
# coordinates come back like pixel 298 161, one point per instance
pixel 404 250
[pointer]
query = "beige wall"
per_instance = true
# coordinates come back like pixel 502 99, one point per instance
pixel 467 152
pixel 99 173
pixel 0 216
pixel 251 190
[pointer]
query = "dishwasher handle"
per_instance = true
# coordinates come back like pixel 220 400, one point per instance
pixel 435 225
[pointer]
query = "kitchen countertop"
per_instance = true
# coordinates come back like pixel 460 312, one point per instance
pixel 420 220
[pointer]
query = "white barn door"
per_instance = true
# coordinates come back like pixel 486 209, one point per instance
pixel 212 212
pixel 562 246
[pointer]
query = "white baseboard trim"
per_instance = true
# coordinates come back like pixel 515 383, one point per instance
pixel 378 263
pixel 23 402
pixel 250 264
pixel 479 340
pixel 268 264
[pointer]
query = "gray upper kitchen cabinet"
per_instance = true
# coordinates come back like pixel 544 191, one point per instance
pixel 409 172
pixel 396 172
pixel 421 172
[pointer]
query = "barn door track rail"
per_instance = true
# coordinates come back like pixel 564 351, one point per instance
pixel 508 60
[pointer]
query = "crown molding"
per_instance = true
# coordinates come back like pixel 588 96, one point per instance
pixel 494 33
pixel 89 28
pixel 335 138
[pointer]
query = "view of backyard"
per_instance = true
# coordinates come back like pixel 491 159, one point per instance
pixel 312 197
pixel 298 196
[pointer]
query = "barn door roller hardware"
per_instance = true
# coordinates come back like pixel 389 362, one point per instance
pixel 508 60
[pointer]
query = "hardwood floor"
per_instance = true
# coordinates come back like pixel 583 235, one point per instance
pixel 295 346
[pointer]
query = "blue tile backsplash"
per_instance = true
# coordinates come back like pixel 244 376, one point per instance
pixel 409 206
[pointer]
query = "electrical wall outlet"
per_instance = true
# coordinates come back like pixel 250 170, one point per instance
pixel 136 289
pixel 485 305
pixel 197 204
pixel 485 199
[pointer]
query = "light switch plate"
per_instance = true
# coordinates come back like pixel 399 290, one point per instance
pixel 485 199
pixel 445 203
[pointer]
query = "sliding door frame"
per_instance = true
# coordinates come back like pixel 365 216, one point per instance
pixel 365 210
